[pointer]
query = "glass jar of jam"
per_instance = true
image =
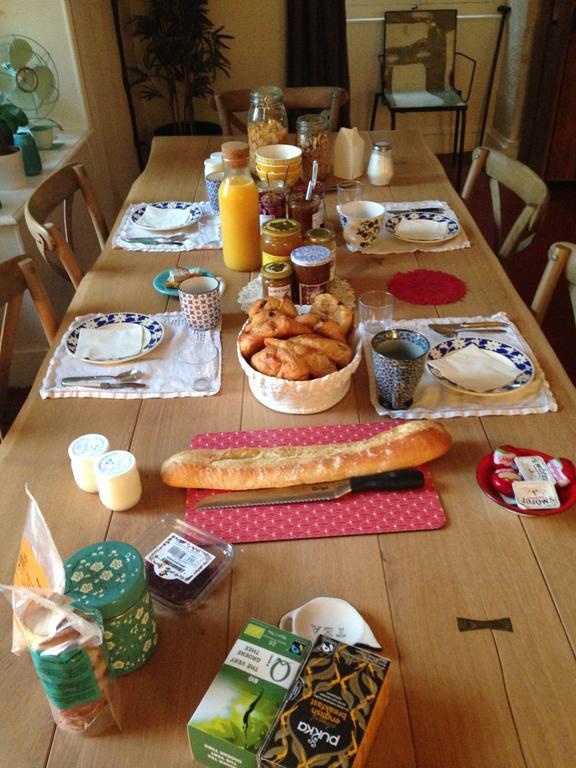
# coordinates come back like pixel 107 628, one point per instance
pixel 279 238
pixel 267 120
pixel 309 213
pixel 277 279
pixel 311 264
pixel 312 138
pixel 271 202
pixel 327 238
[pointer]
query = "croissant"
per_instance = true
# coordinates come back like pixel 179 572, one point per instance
pixel 319 363
pixel 267 324
pixel 293 366
pixel 336 351
pixel 266 361
pixel 283 305
pixel 328 307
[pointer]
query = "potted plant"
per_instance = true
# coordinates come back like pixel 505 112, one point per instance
pixel 182 53
pixel 11 166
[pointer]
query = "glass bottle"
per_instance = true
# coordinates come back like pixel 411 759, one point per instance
pixel 267 120
pixel 312 138
pixel 380 166
pixel 238 203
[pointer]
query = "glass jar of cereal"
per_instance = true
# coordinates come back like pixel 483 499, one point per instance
pixel 312 138
pixel 267 120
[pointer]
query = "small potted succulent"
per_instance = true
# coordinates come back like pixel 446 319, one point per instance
pixel 11 165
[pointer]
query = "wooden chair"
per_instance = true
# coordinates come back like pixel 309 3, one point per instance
pixel 327 99
pixel 18 275
pixel 417 70
pixel 56 247
pixel 561 260
pixel 523 182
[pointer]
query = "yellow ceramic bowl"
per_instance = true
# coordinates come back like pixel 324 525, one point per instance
pixel 279 154
pixel 289 176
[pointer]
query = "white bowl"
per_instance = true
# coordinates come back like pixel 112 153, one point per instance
pixel 303 397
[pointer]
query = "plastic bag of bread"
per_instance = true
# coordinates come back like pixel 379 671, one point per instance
pixel 66 645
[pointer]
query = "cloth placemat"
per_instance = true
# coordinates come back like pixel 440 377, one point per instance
pixel 202 235
pixel 161 371
pixel 435 401
pixel 353 514
pixel 387 243
pixel 427 286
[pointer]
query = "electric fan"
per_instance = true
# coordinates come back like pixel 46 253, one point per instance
pixel 28 75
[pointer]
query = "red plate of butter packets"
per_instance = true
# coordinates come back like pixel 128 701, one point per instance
pixel 564 471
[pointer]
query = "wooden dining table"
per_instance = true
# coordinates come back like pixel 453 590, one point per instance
pixel 486 698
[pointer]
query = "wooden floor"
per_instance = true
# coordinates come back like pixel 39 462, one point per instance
pixel 525 269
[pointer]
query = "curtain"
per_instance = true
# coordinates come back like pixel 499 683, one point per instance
pixel 317 50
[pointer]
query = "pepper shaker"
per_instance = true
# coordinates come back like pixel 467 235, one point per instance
pixel 380 166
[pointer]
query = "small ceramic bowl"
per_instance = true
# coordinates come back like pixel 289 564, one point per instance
pixel 279 154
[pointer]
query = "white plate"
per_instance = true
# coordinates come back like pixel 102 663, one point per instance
pixel 153 334
pixel 393 222
pixel 523 364
pixel 194 213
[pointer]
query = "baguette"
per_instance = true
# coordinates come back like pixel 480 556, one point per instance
pixel 236 469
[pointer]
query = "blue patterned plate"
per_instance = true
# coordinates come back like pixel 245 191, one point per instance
pixel 453 227
pixel 153 334
pixel 523 364
pixel 194 210
pixel 159 281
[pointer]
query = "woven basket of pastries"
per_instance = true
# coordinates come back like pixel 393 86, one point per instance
pixel 299 359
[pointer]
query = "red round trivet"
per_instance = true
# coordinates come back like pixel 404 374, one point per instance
pixel 426 286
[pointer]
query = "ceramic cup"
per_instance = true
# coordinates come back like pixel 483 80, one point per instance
pixel 329 616
pixel 213 181
pixel 43 135
pixel 398 359
pixel 200 302
pixel 361 222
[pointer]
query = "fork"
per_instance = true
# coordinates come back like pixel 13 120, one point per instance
pixel 160 240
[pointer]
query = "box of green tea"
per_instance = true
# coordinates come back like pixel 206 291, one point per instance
pixel 232 720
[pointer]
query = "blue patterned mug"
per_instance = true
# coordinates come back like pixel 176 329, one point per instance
pixel 398 359
pixel 213 181
pixel 200 302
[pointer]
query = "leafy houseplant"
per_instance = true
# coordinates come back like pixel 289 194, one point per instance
pixel 182 53
pixel 11 118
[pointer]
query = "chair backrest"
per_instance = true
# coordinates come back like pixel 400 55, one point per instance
pixel 327 99
pixel 561 260
pixel 523 182
pixel 419 50
pixel 18 275
pixel 56 247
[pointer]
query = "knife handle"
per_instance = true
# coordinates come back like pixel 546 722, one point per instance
pixel 483 324
pixel 400 480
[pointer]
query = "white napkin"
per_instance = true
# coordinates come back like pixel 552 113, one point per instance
pixel 110 342
pixel 477 369
pixel 422 229
pixel 164 218
pixel 194 238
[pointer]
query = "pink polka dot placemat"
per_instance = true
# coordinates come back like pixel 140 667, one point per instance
pixel 353 514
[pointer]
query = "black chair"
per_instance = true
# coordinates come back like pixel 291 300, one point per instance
pixel 417 70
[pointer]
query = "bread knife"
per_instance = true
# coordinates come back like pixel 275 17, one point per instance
pixel 400 480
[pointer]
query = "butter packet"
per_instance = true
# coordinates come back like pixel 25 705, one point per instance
pixel 332 712
pixel 535 495
pixel 534 468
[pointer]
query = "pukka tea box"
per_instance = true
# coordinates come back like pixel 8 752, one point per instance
pixel 332 713
pixel 232 720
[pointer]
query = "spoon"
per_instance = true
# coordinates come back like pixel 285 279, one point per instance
pixel 312 182
pixel 133 373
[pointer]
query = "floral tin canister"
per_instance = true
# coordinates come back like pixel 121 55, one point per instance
pixel 110 577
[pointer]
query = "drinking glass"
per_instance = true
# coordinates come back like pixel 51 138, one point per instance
pixel 348 191
pixel 376 310
pixel 199 363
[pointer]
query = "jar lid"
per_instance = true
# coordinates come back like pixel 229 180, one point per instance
pixel 281 227
pixel 310 255
pixel 236 151
pixel 88 447
pixel 316 122
pixel 276 270
pixel 115 463
pixel 271 93
pixel 320 235
pixel 382 146
pixel 108 576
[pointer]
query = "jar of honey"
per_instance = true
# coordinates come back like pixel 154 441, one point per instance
pixel 279 238
pixel 311 264
pixel 277 279
pixel 327 238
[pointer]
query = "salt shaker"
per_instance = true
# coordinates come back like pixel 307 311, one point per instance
pixel 380 166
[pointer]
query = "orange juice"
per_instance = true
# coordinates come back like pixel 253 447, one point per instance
pixel 239 215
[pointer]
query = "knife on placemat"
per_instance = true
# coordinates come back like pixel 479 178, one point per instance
pixel 400 480
pixel 451 329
